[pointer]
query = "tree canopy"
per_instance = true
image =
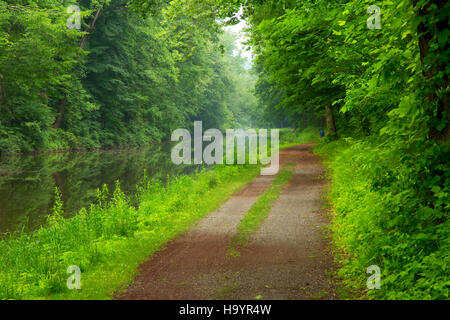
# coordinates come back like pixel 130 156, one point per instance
pixel 129 76
pixel 374 72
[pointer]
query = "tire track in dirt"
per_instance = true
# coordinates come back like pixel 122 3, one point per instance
pixel 172 272
pixel 288 257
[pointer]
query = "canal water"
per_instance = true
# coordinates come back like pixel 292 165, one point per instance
pixel 27 183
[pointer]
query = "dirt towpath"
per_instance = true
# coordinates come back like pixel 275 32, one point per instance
pixel 288 258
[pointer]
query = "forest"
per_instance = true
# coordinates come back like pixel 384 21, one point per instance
pixel 373 74
pixel 121 80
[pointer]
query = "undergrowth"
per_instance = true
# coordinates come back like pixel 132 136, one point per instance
pixel 111 238
pixel 390 208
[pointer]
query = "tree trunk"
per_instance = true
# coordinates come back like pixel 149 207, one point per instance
pixel 426 35
pixel 1 94
pixel 331 126
pixel 91 27
pixel 63 102
pixel 61 111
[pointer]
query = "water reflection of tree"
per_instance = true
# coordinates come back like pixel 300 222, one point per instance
pixel 27 192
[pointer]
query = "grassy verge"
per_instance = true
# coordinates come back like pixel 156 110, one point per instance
pixel 259 212
pixel 112 238
pixel 109 240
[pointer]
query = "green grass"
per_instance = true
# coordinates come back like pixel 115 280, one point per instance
pixel 289 138
pixel 258 212
pixel 110 239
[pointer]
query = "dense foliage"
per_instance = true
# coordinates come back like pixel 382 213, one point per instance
pixel 123 79
pixel 117 232
pixel 380 84
pixel 386 87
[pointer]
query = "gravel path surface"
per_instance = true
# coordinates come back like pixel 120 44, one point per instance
pixel 288 258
